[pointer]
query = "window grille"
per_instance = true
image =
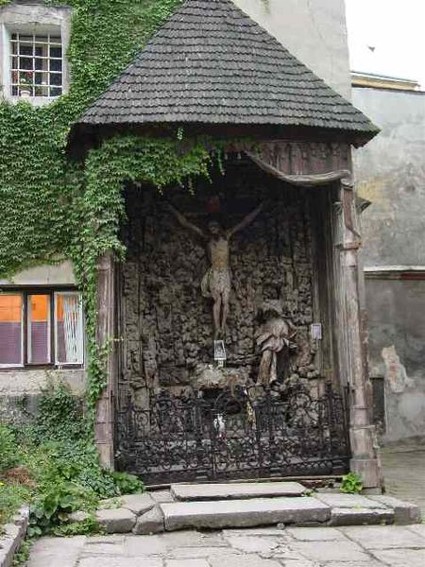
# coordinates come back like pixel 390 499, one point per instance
pixel 36 65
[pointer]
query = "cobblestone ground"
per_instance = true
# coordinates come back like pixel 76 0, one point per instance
pixel 404 472
pixel 373 546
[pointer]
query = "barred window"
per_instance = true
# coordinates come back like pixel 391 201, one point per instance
pixel 36 65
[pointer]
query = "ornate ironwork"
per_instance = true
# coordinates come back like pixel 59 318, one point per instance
pixel 232 434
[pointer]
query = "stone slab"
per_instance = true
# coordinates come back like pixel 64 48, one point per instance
pixel 236 491
pixel 316 534
pixel 384 537
pixel 116 521
pixel 361 516
pixel 244 513
pixel 242 561
pixel 11 537
pixel 339 500
pixel 404 512
pixel 151 522
pixel 323 551
pixel 402 557
pixel 101 561
pixel 137 503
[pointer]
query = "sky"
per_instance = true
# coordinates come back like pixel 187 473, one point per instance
pixel 387 37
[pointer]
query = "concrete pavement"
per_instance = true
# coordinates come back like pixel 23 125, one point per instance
pixel 372 546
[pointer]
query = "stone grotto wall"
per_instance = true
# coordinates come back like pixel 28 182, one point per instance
pixel 167 327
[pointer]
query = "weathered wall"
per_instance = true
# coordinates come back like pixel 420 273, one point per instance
pixel 313 30
pixel 397 352
pixel 19 387
pixel 390 172
pixel 167 323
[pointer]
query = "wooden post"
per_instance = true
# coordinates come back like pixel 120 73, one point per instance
pixel 365 459
pixel 106 332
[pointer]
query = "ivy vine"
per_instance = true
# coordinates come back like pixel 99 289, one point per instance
pixel 54 208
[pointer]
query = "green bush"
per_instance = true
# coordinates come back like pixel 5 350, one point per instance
pixel 11 498
pixel 8 453
pixel 59 456
pixel 351 483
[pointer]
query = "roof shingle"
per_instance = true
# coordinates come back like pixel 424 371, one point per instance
pixel 210 63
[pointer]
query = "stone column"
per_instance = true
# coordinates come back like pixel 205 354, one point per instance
pixel 106 332
pixel 362 432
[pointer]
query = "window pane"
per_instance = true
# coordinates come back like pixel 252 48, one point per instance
pixel 10 329
pixel 69 328
pixel 39 329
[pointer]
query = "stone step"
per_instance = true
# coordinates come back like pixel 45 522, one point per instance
pixel 236 491
pixel 252 512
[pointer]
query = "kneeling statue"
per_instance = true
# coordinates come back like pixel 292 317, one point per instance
pixel 275 335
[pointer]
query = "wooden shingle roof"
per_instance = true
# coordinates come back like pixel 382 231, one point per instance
pixel 212 64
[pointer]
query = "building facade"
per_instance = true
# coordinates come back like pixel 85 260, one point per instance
pixel 241 84
pixel 391 175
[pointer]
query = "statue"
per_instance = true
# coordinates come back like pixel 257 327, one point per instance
pixel 216 283
pixel 275 334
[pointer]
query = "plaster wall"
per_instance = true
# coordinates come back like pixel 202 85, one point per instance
pixel 315 31
pixel 397 352
pixel 390 173
pixel 18 387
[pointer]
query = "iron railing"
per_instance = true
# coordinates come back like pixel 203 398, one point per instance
pixel 232 434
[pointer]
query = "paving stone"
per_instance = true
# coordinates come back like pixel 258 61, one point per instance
pixel 56 552
pixel 368 563
pixel 101 561
pixel 271 531
pixel 151 522
pixel 193 552
pixel 242 561
pixel 187 563
pixel 191 538
pixel 161 496
pixel 316 534
pixel 417 529
pixel 236 491
pixel 361 516
pixel 136 546
pixel 330 551
pixel 242 513
pixel 104 548
pixel 137 503
pixel 384 537
pixel 404 512
pixel 252 544
pixel 117 521
pixel 402 557
pixel 79 517
pixel 340 500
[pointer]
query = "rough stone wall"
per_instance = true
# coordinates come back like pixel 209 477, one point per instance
pixel 167 324
pixel 390 172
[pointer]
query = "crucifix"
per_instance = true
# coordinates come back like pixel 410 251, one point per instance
pixel 216 283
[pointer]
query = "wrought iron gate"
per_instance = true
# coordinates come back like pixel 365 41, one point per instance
pixel 237 433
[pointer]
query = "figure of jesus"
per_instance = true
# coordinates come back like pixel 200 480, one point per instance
pixel 216 283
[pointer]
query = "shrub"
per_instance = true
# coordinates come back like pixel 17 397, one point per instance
pixel 8 453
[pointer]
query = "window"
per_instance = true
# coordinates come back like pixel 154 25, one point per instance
pixel 41 328
pixel 35 65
